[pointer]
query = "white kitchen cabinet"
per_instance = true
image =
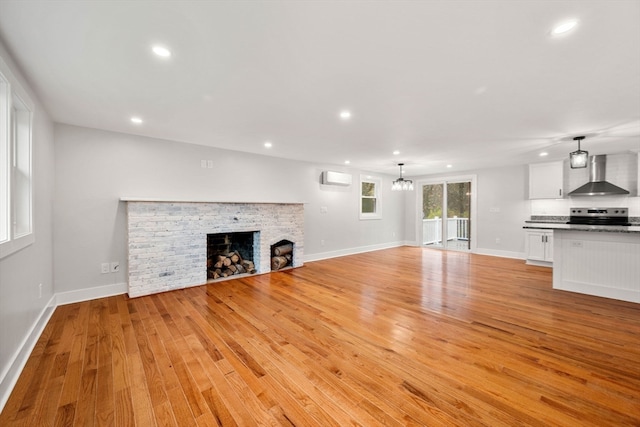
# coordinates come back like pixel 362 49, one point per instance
pixel 539 247
pixel 545 180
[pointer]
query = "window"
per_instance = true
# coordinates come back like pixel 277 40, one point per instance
pixel 16 199
pixel 370 198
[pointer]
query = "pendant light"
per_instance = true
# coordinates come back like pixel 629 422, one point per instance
pixel 402 184
pixel 578 159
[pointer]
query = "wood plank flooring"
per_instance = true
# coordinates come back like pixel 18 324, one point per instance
pixel 404 336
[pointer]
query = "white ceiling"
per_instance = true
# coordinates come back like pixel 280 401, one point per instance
pixel 469 83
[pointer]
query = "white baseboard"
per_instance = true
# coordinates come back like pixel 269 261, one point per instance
pixel 502 254
pixel 351 251
pixel 10 376
pixel 87 294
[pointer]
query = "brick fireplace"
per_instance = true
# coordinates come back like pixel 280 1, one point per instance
pixel 167 241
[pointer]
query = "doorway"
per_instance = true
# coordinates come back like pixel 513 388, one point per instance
pixel 446 214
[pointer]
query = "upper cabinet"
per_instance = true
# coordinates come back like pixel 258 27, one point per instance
pixel 545 180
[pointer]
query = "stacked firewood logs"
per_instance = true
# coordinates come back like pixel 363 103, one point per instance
pixel 222 265
pixel 282 256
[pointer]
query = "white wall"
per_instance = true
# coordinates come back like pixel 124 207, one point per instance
pixel 21 272
pixel 502 208
pixel 95 168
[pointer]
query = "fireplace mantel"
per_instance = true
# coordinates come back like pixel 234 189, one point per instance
pixel 167 239
pixel 178 200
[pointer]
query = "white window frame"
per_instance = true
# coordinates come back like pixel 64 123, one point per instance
pixel 16 165
pixel 378 196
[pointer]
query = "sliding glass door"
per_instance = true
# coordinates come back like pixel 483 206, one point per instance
pixel 446 215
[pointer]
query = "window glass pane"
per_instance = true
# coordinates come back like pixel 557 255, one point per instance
pixel 369 189
pixel 368 205
pixel 21 131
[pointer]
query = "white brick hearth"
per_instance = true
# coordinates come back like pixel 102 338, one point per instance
pixel 167 241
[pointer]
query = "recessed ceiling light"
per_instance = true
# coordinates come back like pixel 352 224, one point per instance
pixel 564 27
pixel 544 153
pixel 449 166
pixel 346 162
pixel 395 153
pixel 136 120
pixel 345 114
pixel 161 51
pixel 268 144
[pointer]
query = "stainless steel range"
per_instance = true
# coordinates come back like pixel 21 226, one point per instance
pixel 599 216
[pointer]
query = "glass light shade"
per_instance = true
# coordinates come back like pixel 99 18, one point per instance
pixel 578 159
pixel 401 184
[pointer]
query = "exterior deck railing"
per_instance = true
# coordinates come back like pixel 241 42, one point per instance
pixel 457 229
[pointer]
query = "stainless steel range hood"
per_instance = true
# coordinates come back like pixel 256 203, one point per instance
pixel 597 186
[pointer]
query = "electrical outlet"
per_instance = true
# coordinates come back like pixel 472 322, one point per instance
pixel 497 240
pixel 104 268
pixel 115 266
pixel 321 242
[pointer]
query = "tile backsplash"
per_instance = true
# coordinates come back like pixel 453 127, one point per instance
pixel 561 207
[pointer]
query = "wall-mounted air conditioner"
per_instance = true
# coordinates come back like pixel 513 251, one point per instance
pixel 336 178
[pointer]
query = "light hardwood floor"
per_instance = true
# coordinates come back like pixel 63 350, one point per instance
pixel 404 336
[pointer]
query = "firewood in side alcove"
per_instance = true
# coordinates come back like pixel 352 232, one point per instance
pixel 287 248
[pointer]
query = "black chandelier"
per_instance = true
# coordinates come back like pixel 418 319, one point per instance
pixel 402 184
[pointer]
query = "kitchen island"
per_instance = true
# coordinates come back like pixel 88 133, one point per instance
pixel 600 260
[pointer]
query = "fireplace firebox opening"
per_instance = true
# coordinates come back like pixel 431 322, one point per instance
pixel 230 254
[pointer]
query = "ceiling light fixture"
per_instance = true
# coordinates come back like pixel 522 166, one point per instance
pixel 449 166
pixel 578 159
pixel 161 51
pixel 543 154
pixel 268 144
pixel 346 162
pixel 565 27
pixel 402 184
pixel 136 120
pixel 395 153
pixel 345 115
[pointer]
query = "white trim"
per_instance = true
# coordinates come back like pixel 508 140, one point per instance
pixel 539 263
pixel 88 294
pixel 501 254
pixel 12 246
pixel 473 178
pixel 14 368
pixel 351 251
pixel 178 200
pixel 15 90
pixel 378 197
